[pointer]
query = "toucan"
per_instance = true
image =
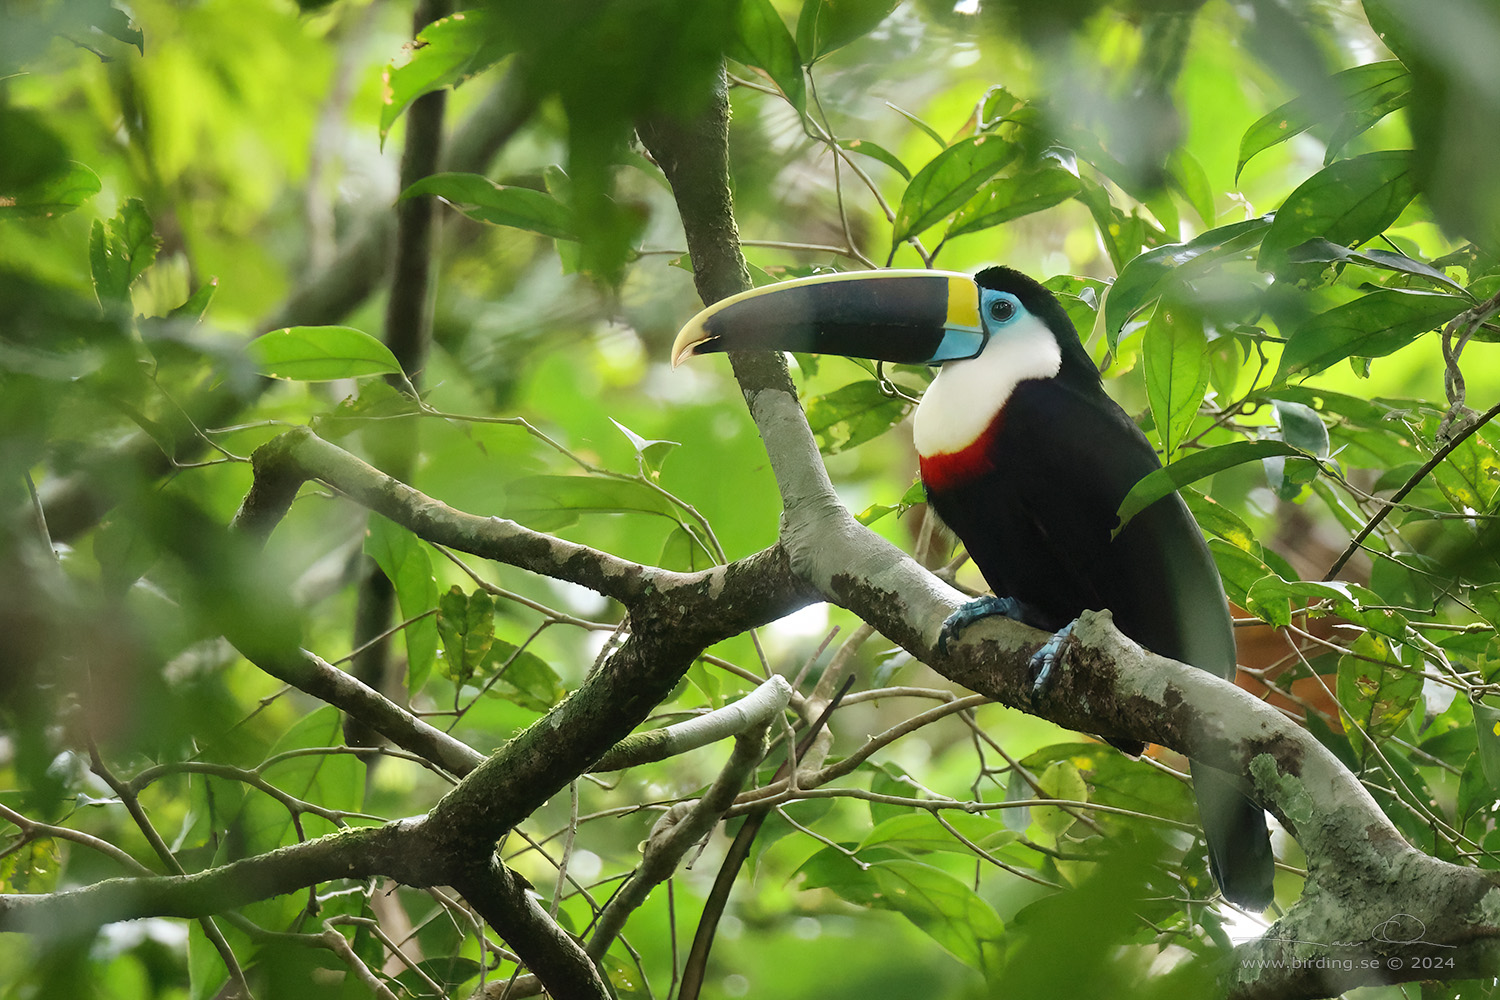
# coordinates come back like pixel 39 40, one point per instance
pixel 1026 458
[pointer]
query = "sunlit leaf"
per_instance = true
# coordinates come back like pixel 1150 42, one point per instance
pixel 34 153
pixel 949 180
pixel 1322 251
pixel 52 195
pixel 483 200
pixel 762 40
pixel 1147 275
pixel 1008 198
pixel 120 251
pixel 1347 202
pixel 117 24
pixel 1061 780
pixel 1372 326
pixel 320 354
pixel 1240 570
pixel 825 25
pixel 446 53
pixel 927 129
pixel 197 303
pixel 1379 86
pixel 1191 181
pixel 1176 350
pixel 876 152
pixel 1217 519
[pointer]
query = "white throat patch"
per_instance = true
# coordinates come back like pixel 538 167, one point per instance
pixel 964 399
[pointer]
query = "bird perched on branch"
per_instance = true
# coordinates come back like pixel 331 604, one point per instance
pixel 1026 458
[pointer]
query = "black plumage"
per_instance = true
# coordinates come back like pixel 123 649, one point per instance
pixel 1037 526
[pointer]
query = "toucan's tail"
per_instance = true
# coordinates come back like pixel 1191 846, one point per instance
pixel 1239 847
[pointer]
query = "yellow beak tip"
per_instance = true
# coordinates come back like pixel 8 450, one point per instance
pixel 686 343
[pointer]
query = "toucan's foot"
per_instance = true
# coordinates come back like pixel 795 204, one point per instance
pixel 968 614
pixel 1044 659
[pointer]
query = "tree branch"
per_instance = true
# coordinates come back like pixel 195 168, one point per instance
pixel 1359 864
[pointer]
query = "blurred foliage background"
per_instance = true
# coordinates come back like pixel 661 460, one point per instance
pixel 179 179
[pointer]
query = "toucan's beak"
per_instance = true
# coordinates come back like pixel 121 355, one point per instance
pixel 908 317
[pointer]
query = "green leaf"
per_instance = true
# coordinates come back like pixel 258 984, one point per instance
pixel 1176 362
pixel 1193 467
pixel 1487 734
pixel 1217 519
pixel 1347 202
pixel 197 303
pixel 320 354
pixel 1470 477
pixel 483 200
pixel 853 414
pixel 940 905
pixel 1269 597
pixel 119 252
pixel 876 152
pixel 407 565
pixel 117 24
pixel 1376 690
pixel 1122 233
pixel 892 779
pixel 919 832
pixel 1240 570
pixel 546 503
pixel 448 971
pixel 927 129
pixel 466 624
pixel 524 677
pixel 1371 326
pixel 1374 87
pixel 1191 181
pixel 1008 198
pixel 446 53
pixel 949 180
pixel 52 195
pixel 685 551
pixel 1061 780
pixel 648 453
pixel 33 152
pixel 825 25
pixel 1147 275
pixel 1301 427
pixel 914 495
pixel 761 40
pixel 1323 251
pixel 376 400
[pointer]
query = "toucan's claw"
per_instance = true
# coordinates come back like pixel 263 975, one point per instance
pixel 1044 659
pixel 968 614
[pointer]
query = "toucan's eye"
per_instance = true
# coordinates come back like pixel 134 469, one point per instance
pixel 1002 310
